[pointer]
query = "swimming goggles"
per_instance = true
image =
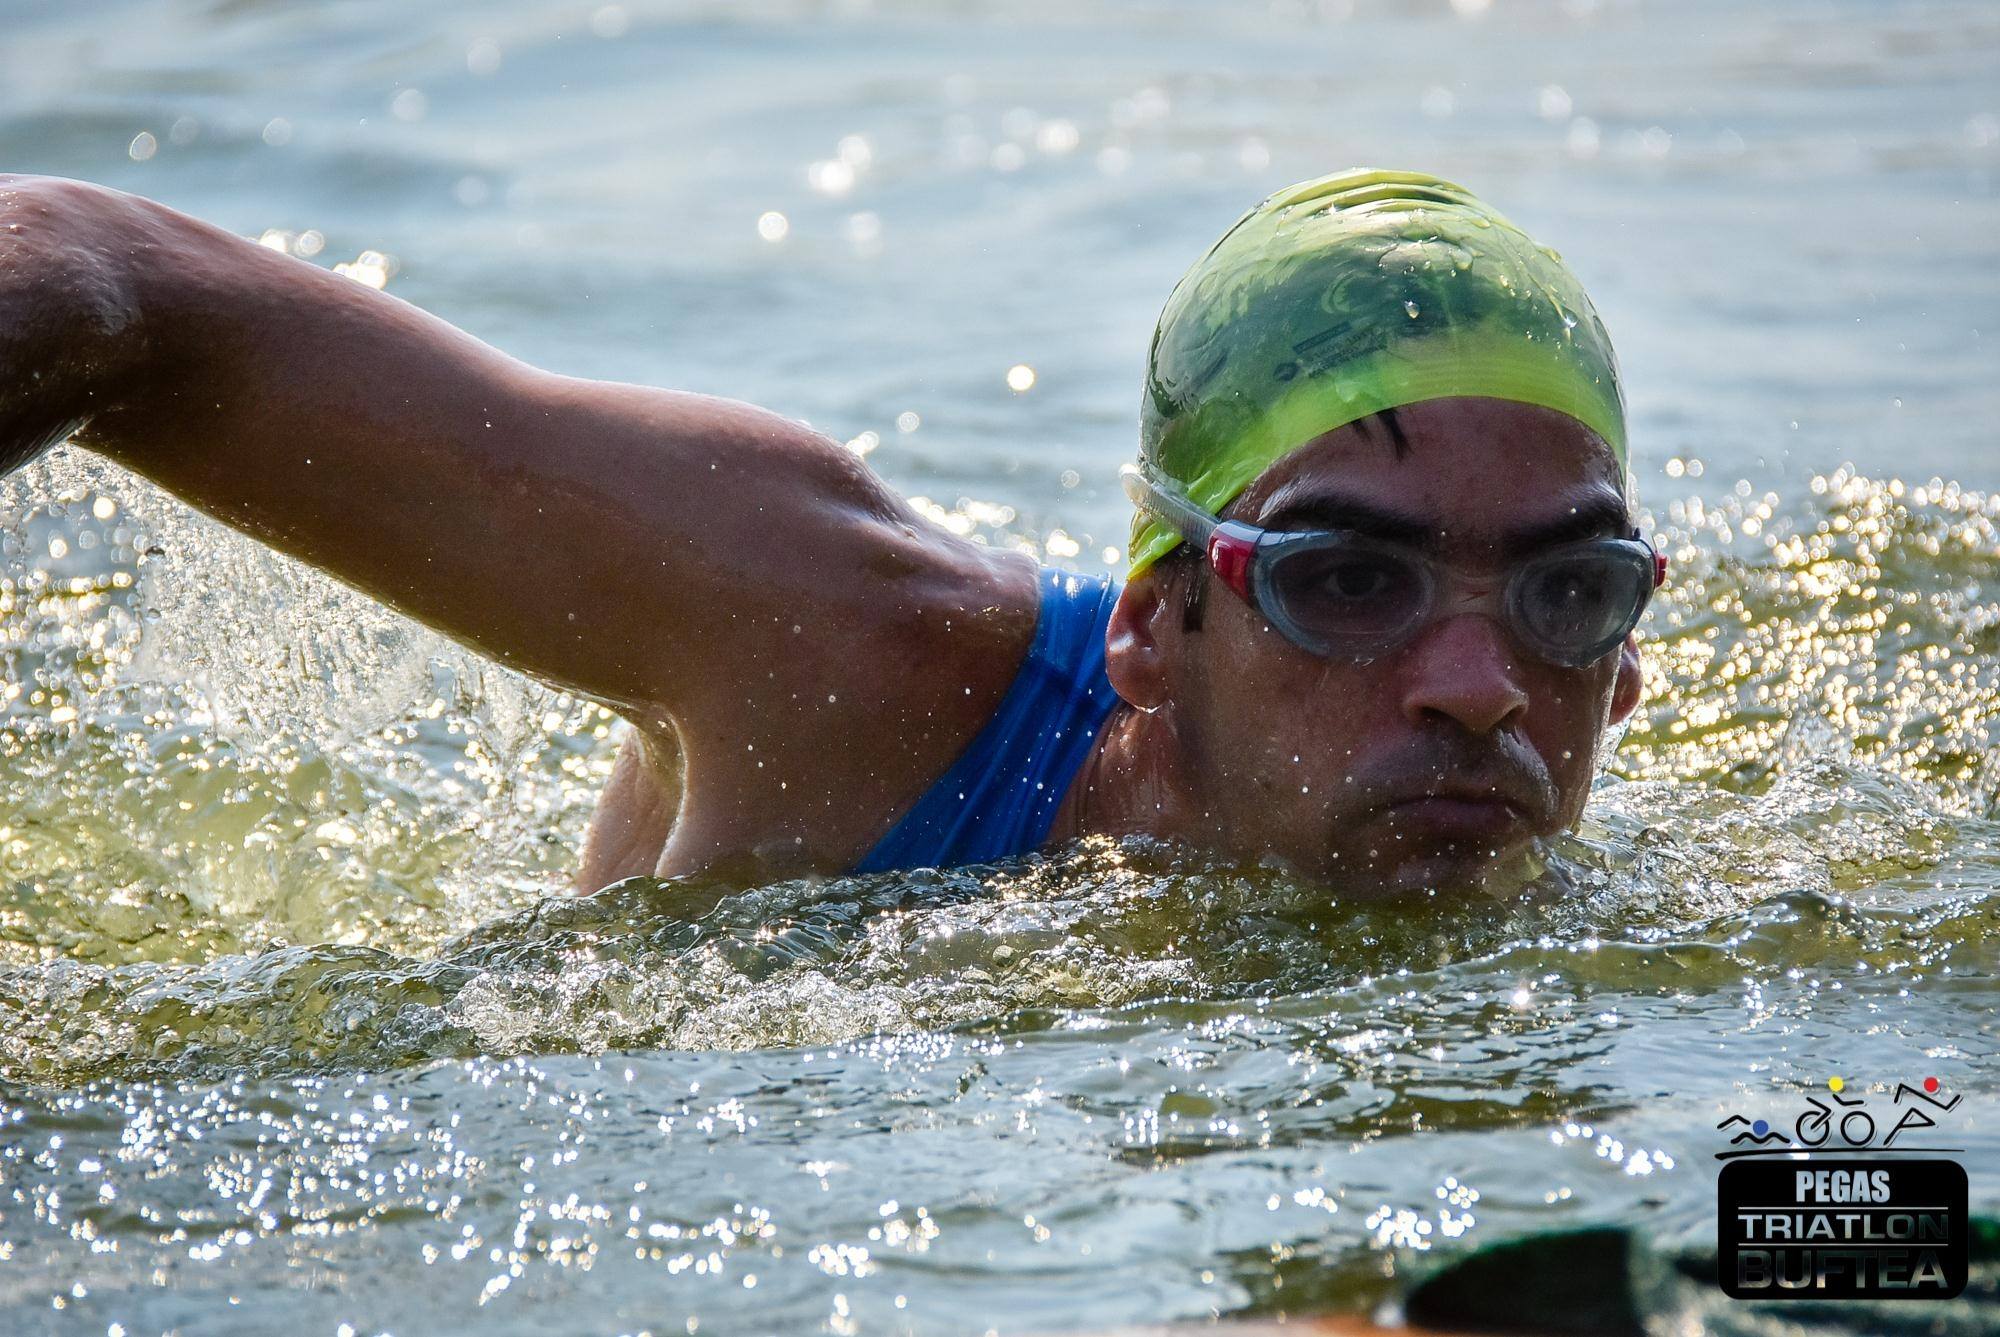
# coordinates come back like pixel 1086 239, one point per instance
pixel 1344 595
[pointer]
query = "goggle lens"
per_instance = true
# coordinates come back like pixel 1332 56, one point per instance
pixel 1577 605
pixel 1343 594
pixel 1572 606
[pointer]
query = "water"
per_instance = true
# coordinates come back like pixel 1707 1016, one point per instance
pixel 291 1031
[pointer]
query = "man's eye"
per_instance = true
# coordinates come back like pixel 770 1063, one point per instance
pixel 1577 587
pixel 1359 579
pixel 1347 593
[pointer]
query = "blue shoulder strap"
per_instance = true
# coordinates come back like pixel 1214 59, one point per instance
pixel 1000 797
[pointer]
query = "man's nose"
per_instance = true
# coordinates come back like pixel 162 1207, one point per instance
pixel 1466 669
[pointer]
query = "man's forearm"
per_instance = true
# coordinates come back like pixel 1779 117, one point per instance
pixel 582 531
pixel 336 423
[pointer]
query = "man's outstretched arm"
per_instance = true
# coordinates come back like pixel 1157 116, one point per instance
pixel 659 550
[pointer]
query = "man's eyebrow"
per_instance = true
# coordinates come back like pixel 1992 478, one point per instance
pixel 1597 514
pixel 1328 510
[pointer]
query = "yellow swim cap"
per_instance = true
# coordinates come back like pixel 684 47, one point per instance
pixel 1339 297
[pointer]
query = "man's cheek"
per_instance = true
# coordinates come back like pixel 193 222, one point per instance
pixel 1571 757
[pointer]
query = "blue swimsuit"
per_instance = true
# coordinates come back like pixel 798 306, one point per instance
pixel 1000 797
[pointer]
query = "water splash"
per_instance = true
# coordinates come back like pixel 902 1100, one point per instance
pixel 281 992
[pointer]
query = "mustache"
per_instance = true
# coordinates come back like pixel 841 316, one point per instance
pixel 1455 763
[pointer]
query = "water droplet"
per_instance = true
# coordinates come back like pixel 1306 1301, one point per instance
pixel 1411 309
pixel 483 57
pixel 409 105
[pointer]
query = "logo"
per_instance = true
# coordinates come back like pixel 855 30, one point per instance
pixel 1830 1213
pixel 1332 346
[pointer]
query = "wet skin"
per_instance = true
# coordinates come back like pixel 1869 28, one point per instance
pixel 799 653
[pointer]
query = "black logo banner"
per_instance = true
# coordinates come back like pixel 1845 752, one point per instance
pixel 1842 1228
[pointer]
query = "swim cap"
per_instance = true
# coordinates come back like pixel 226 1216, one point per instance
pixel 1337 298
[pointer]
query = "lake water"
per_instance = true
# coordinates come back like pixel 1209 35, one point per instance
pixel 291 1032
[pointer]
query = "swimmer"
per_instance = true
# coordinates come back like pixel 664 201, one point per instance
pixel 1378 621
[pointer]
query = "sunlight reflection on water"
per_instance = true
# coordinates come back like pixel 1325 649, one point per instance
pixel 286 1021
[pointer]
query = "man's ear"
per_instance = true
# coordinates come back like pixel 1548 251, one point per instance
pixel 1140 640
pixel 1626 690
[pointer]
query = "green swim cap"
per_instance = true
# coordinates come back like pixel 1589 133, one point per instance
pixel 1337 298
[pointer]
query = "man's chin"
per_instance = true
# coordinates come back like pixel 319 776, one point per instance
pixel 1447 867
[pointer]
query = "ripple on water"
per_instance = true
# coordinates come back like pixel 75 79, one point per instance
pixel 275 1009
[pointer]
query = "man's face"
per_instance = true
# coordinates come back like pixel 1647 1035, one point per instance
pixel 1436 763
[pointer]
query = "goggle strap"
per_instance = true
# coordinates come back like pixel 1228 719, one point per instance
pixel 1181 515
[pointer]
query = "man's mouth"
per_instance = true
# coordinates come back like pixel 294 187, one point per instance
pixel 1458 816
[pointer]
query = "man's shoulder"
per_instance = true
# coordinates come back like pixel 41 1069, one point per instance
pixel 874 700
